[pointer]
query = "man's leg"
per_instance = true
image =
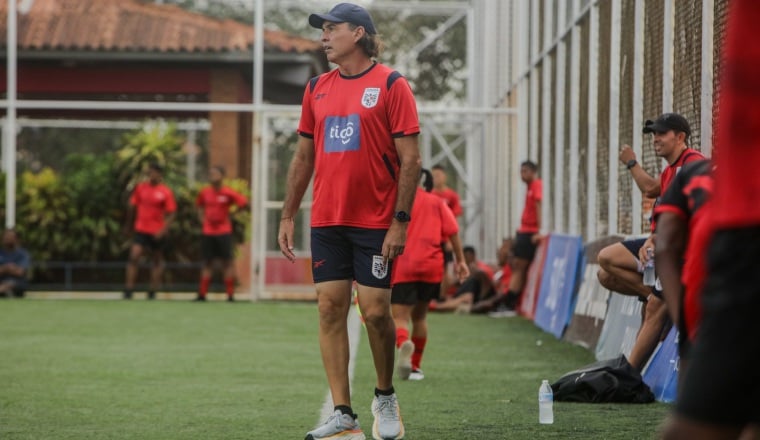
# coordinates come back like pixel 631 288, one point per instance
pixel 419 334
pixel 135 251
pixel 156 273
pixel 402 314
pixel 334 300
pixel 375 305
pixel 230 276
pixel 650 332
pixel 619 271
pixel 205 282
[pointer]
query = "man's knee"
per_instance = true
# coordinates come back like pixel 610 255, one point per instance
pixel 376 318
pixel 605 279
pixel 331 311
pixel 606 257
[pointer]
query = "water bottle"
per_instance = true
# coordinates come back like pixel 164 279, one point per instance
pixel 545 404
pixel 649 277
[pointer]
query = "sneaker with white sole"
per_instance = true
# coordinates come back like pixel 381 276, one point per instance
pixel 337 426
pixel 404 362
pixel 416 375
pixel 388 424
pixel 503 312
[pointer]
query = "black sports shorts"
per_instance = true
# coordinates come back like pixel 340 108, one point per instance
pixel 414 292
pixel 345 252
pixel 216 247
pixel 722 382
pixel 150 241
pixel 523 246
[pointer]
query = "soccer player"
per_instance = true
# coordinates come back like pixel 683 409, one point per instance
pixel 358 138
pixel 442 190
pixel 525 242
pixel 621 264
pixel 214 202
pixel 417 275
pixel 721 387
pixel 682 236
pixel 153 207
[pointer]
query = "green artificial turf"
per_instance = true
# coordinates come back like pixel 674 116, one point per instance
pixel 181 370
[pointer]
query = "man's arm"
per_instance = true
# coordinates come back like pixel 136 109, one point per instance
pixel 537 236
pixel 461 269
pixel 409 175
pixel 648 185
pixel 168 219
pixel 671 243
pixel 299 174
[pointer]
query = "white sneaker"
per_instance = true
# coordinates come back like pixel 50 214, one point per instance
pixel 404 361
pixel 388 424
pixel 416 375
pixel 503 312
pixel 337 426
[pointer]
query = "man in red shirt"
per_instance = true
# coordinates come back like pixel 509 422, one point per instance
pixel 358 138
pixel 152 205
pixel 682 237
pixel 525 243
pixel 442 190
pixel 417 275
pixel 621 264
pixel 214 203
pixel 479 285
pixel 721 388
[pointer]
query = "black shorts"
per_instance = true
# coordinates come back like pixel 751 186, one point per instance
pixel 348 253
pixel 523 246
pixel 216 247
pixel 149 241
pixel 722 382
pixel 414 292
pixel 634 245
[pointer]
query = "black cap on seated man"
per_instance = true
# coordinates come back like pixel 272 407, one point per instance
pixel 666 122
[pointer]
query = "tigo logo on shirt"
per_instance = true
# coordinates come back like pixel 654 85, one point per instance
pixel 341 133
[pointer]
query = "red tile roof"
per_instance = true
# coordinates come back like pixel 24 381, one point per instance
pixel 137 26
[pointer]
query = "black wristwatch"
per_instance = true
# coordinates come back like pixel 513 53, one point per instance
pixel 402 216
pixel 631 163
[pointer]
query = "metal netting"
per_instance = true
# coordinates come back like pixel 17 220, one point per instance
pixel 625 124
pixel 687 65
pixel 583 138
pixel 719 34
pixel 603 111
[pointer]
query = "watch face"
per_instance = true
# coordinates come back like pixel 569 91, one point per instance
pixel 402 216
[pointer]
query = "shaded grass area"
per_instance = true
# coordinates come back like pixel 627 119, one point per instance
pixel 176 370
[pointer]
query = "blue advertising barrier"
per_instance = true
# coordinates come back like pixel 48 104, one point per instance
pixel 662 372
pixel 556 299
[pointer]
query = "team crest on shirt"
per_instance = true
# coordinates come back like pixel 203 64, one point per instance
pixel 370 97
pixel 379 268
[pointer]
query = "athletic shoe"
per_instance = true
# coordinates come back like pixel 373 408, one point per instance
pixel 404 364
pixel 388 424
pixel 337 426
pixel 200 298
pixel 416 375
pixel 463 309
pixel 151 295
pixel 503 312
pixel 127 294
pixel 230 299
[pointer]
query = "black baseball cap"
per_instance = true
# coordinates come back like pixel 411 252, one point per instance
pixel 666 122
pixel 345 13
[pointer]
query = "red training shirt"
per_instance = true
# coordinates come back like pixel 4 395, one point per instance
pixel 216 205
pixel 452 199
pixel 737 151
pixel 432 223
pixel 529 221
pixel 687 155
pixel 152 202
pixel 353 121
pixel 689 197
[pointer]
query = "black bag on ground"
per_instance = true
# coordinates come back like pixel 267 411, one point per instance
pixel 613 380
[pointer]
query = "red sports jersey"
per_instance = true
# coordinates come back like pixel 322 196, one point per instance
pixel 432 223
pixel 505 274
pixel 216 208
pixel 485 268
pixel 452 199
pixel 529 220
pixel 688 197
pixel 153 202
pixel 353 121
pixel 737 182
pixel 688 155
